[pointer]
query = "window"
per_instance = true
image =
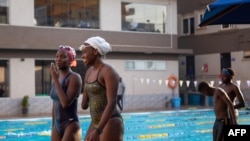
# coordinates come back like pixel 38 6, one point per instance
pixel 130 65
pixel 143 17
pixel 188 26
pixel 200 18
pixel 185 26
pixel 4 81
pixel 42 77
pixel 226 26
pixel 3 12
pixel 150 65
pixel 192 25
pixel 67 13
pixel 145 65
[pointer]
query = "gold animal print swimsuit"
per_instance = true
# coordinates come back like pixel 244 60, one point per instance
pixel 98 100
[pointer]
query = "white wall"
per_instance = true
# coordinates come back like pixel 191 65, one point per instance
pixel 241 67
pixel 172 21
pixel 22 77
pixel 213 62
pixel 238 64
pixel 146 82
pixel 21 12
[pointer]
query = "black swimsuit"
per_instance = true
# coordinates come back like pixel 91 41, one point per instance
pixel 218 128
pixel 63 116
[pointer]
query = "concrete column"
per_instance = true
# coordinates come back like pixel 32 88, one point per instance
pixel 108 8
pixel 22 77
pixel 21 12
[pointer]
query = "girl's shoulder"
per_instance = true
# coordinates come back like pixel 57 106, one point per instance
pixel 75 76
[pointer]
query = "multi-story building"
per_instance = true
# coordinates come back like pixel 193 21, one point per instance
pixel 215 47
pixel 142 33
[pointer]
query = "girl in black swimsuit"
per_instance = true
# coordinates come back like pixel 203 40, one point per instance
pixel 66 87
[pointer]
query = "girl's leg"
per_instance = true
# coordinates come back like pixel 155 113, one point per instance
pixel 113 131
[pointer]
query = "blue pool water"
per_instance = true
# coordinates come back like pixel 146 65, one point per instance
pixel 179 125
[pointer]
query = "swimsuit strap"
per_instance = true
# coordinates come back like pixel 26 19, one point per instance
pixel 99 71
pixel 64 80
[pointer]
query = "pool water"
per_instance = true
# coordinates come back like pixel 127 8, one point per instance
pixel 179 125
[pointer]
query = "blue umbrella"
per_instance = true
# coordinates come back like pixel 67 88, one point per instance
pixel 227 12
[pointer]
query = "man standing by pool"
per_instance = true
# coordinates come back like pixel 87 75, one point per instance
pixel 232 89
pixel 223 109
pixel 120 93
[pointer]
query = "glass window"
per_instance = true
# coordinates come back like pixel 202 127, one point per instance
pixel 200 18
pixel 226 26
pixel 67 13
pixel 130 65
pixel 140 65
pixel 192 25
pixel 150 65
pixel 3 12
pixel 160 65
pixel 185 26
pixel 143 17
pixel 42 77
pixel 145 65
pixel 4 78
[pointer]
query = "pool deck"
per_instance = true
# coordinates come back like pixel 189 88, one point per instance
pixel 86 112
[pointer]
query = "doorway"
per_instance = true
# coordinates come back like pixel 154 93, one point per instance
pixel 225 60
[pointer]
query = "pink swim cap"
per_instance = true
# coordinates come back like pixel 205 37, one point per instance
pixel 71 53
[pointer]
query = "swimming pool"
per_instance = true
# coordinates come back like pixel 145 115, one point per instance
pixel 179 125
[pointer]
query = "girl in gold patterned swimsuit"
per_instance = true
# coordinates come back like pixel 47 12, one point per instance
pixel 100 92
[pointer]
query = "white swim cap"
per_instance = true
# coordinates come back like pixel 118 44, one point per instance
pixel 98 43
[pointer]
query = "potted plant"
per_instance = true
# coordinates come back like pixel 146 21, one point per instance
pixel 172 83
pixel 25 105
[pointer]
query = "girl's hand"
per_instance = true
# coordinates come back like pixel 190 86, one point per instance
pixel 54 72
pixel 93 136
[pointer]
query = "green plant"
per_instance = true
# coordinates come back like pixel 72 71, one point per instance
pixel 25 101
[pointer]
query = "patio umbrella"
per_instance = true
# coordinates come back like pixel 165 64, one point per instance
pixel 227 12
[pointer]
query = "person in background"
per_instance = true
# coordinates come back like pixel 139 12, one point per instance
pixel 120 93
pixel 100 93
pixel 66 87
pixel 223 109
pixel 232 89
